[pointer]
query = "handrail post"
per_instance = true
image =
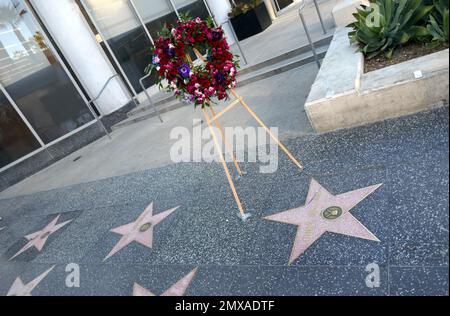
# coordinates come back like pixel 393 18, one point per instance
pixel 90 103
pixel 97 118
pixel 141 82
pixel 311 43
pixel 320 17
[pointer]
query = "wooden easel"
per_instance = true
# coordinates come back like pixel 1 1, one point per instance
pixel 214 119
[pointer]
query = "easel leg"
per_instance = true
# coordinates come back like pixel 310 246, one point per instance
pixel 275 138
pixel 224 164
pixel 227 143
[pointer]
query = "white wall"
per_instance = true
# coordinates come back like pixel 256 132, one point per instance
pixel 78 45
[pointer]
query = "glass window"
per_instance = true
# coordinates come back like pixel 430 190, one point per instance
pixel 16 140
pixel 195 8
pixel 284 3
pixel 156 14
pixel 33 77
pixel 127 38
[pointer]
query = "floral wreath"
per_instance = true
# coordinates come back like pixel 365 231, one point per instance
pixel 195 83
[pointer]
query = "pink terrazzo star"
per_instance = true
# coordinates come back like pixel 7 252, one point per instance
pixel 38 239
pixel 20 289
pixel 323 213
pixel 178 289
pixel 140 231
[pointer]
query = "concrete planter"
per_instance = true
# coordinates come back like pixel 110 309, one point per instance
pixel 343 96
pixel 344 9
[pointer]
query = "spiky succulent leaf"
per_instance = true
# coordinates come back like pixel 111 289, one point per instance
pixel 387 24
pixel 438 24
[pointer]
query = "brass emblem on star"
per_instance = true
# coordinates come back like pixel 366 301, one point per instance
pixel 333 212
pixel 145 227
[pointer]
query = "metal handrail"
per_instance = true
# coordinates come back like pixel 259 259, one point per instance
pixel 320 17
pixel 104 88
pixel 308 35
pixel 141 82
pixel 302 6
pixel 90 103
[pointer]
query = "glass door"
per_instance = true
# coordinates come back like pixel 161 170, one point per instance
pixel 194 8
pixel 34 79
pixel 155 14
pixel 124 35
pixel 281 4
pixel 16 139
pixel 128 29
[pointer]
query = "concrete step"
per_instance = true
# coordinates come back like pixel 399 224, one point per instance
pixel 264 73
pixel 149 113
pixel 245 74
pixel 163 100
pixel 283 66
pixel 145 111
pixel 324 41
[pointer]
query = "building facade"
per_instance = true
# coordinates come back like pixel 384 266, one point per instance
pixel 57 55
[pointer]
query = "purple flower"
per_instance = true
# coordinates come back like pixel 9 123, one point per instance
pixel 184 70
pixel 220 77
pixel 217 35
pixel 189 98
pixel 170 51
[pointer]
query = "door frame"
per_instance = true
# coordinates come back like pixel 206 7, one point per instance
pixel 140 20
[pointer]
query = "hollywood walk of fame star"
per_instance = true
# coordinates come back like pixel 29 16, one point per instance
pixel 178 289
pixel 20 289
pixel 140 231
pixel 38 239
pixel 323 213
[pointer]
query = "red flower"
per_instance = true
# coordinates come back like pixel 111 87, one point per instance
pixel 211 80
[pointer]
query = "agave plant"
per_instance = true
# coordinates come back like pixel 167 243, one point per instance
pixel 438 26
pixel 386 24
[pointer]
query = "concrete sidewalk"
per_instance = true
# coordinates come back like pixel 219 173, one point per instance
pixel 278 100
pixel 287 33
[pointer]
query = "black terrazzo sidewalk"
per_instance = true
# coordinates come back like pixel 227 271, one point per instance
pixel 409 214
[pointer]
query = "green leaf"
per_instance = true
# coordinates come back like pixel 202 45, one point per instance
pixel 401 21
pixel 418 31
pixel 404 38
pixel 389 54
